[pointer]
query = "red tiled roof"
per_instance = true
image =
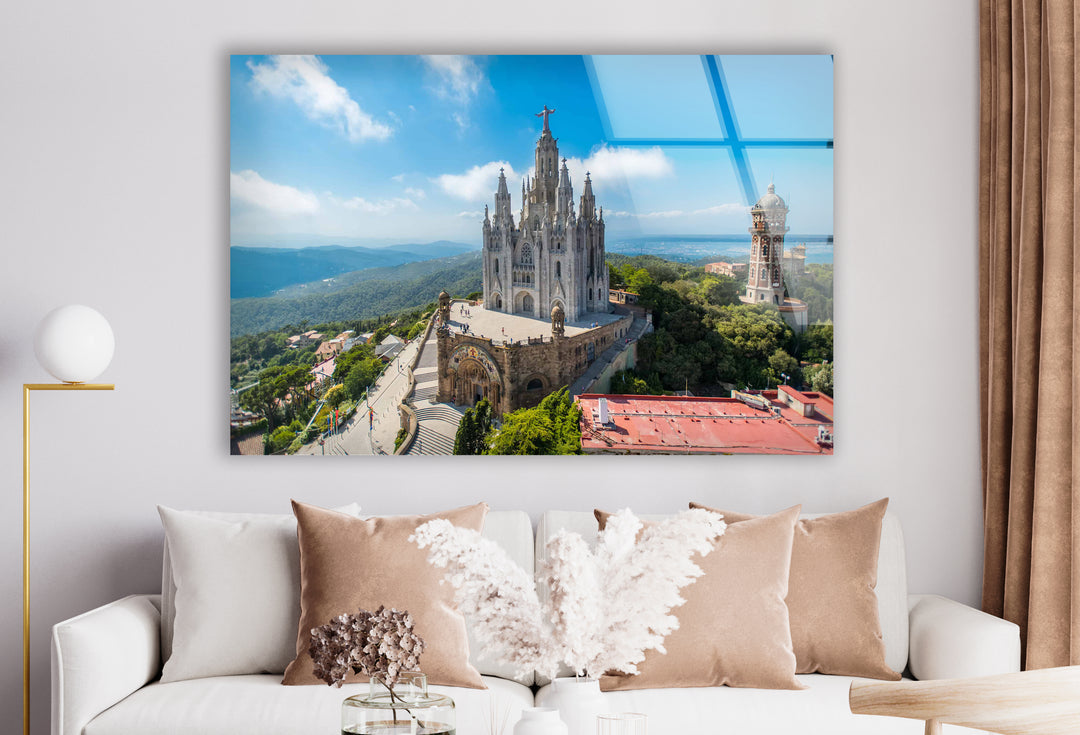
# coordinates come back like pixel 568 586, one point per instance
pixel 689 425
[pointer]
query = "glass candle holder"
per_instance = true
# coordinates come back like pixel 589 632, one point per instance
pixel 620 723
pixel 409 709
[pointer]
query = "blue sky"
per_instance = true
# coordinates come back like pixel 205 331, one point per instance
pixel 395 149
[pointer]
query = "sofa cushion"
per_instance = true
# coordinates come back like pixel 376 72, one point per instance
pixel 733 628
pixel 229 705
pixel 820 709
pixel 273 581
pixel 237 595
pixel 891 574
pixel 831 601
pixel 348 564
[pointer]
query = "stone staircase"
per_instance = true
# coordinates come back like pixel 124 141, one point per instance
pixel 437 423
pixel 436 429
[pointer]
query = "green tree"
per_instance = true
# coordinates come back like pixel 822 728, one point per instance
pixel 637 279
pixel 781 363
pixel 615 277
pixel 525 431
pixel 718 290
pixel 471 437
pixel 336 395
pixel 626 383
pixel 281 438
pixel 361 375
pixel 466 433
pixel 820 378
pixel 261 399
pixel 817 343
pixel 553 427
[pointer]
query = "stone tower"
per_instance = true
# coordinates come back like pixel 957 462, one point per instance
pixel 548 256
pixel 765 278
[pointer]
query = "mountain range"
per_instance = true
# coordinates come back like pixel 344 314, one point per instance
pixel 358 295
pixel 263 271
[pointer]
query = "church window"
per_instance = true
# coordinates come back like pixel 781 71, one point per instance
pixel 496 267
pixel 765 250
pixel 535 384
pixel 558 269
pixel 764 273
pixel 526 254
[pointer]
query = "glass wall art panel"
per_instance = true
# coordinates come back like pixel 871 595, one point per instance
pixel 531 254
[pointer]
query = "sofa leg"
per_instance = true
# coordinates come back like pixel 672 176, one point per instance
pixel 933 727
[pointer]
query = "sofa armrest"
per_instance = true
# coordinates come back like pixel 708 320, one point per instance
pixel 102 656
pixel 949 640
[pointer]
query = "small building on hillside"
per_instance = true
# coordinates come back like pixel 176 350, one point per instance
pixel 330 348
pixel 723 268
pixel 389 348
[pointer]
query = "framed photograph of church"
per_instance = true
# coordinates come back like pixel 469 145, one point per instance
pixel 563 254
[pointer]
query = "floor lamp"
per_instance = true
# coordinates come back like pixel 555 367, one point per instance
pixel 75 345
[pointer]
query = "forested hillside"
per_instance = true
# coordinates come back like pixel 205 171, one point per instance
pixel 360 295
pixel 261 271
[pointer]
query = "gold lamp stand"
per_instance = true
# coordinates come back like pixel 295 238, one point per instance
pixel 27 388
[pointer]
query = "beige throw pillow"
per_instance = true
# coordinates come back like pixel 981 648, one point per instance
pixel 733 629
pixel 347 564
pixel 833 608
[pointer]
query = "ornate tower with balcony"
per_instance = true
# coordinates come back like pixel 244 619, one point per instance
pixel 765 278
pixel 550 256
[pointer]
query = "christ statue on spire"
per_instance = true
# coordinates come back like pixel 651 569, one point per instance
pixel 545 114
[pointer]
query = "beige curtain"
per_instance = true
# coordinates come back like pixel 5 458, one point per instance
pixel 1029 288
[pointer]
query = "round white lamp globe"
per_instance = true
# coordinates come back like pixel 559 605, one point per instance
pixel 74 343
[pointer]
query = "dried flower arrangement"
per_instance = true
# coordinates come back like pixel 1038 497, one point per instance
pixel 381 645
pixel 605 606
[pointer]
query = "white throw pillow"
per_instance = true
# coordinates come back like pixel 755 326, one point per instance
pixel 230 593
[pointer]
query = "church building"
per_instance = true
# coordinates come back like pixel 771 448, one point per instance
pixel 546 316
pixel 548 255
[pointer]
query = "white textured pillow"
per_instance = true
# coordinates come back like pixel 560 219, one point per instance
pixel 231 593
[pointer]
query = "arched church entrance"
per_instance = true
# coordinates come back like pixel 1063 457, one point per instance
pixel 473 383
pixel 525 304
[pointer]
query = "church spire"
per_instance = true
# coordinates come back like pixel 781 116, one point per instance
pixel 588 201
pixel 502 198
pixel 566 192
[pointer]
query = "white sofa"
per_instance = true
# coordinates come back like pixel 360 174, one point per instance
pixel 106 665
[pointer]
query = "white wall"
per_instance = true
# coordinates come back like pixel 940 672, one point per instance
pixel 113 167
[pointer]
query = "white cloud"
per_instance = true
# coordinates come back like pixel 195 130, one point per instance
pixel 415 193
pixel 609 166
pixel 250 188
pixel 478 183
pixel 398 178
pixel 459 81
pixel 304 80
pixel 471 215
pixel 380 206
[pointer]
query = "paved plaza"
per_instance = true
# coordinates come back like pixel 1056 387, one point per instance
pixel 499 326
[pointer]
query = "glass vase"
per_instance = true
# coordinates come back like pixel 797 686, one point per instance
pixel 409 709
